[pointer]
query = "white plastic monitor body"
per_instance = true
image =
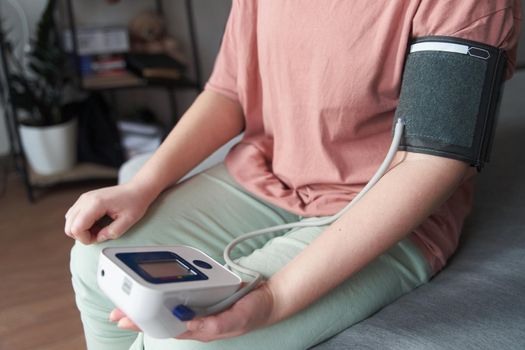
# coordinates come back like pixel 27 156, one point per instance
pixel 148 290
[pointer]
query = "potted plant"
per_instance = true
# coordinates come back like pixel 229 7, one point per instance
pixel 37 90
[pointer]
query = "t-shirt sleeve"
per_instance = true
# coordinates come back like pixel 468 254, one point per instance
pixel 223 79
pixel 492 22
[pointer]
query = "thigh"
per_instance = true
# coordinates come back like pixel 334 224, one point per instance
pixel 206 212
pixel 391 275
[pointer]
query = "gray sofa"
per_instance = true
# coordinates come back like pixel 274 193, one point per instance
pixel 478 301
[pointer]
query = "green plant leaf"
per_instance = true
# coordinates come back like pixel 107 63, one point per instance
pixel 40 90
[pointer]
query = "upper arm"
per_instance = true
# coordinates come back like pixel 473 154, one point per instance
pixel 223 79
pixel 492 22
pixel 449 94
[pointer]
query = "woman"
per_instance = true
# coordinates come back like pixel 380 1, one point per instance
pixel 314 86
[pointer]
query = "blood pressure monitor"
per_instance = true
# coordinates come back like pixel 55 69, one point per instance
pixel 160 287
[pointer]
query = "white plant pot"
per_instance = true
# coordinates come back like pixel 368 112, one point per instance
pixel 51 149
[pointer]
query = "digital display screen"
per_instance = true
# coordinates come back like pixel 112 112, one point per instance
pixel 165 269
pixel 161 267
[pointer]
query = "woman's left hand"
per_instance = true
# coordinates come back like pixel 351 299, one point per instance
pixel 251 312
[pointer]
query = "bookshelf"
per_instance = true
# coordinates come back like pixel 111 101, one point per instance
pixel 127 79
pixel 89 171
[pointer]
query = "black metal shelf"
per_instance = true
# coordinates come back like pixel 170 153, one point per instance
pixel 183 83
pixel 169 84
pixel 85 171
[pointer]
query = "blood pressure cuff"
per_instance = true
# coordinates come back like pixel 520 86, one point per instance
pixel 449 98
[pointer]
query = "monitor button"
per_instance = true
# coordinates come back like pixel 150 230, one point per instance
pixel 202 264
pixel 183 312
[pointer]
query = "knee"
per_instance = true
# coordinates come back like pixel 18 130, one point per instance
pixel 83 265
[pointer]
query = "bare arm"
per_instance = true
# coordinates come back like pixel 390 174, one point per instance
pixel 404 197
pixel 210 122
pixel 412 189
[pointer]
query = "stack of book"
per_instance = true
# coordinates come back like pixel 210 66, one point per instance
pixel 105 60
pixel 131 69
pixel 155 66
pixel 101 54
pixel 106 71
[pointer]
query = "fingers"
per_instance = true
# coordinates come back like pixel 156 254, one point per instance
pixel 205 329
pixel 82 223
pixel 116 228
pixel 116 315
pixel 81 217
pixel 122 321
pixel 104 214
pixel 248 313
pixel 224 325
pixel 71 227
pixel 70 217
pixel 126 323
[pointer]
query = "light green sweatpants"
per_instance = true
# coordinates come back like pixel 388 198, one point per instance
pixel 207 212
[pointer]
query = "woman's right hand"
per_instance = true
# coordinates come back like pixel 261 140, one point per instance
pixel 213 118
pixel 123 204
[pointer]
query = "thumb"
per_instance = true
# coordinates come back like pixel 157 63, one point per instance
pixel 115 229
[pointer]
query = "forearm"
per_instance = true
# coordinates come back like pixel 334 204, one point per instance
pixel 210 122
pixel 404 197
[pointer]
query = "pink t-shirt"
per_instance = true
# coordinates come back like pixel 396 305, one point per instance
pixel 319 83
